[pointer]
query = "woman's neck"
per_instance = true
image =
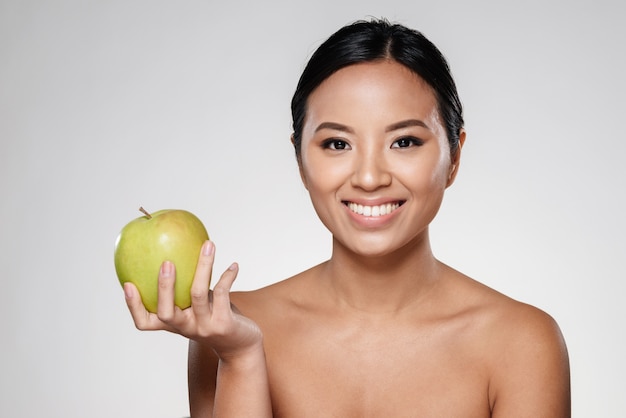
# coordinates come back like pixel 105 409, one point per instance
pixel 382 284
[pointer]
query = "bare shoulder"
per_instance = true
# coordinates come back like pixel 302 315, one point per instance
pixel 526 354
pixel 503 316
pixel 275 300
pixel 531 373
pixel 509 320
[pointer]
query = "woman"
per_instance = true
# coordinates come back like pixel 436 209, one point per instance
pixel 381 329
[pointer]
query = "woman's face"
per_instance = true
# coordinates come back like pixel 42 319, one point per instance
pixel 375 156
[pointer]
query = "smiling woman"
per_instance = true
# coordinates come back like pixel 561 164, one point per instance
pixel 389 148
pixel 382 328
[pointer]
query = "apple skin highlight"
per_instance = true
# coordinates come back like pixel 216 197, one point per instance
pixel 146 242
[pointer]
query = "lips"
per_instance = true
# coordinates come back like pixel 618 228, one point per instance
pixel 373 211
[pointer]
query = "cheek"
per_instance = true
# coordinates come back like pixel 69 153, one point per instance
pixel 320 173
pixel 440 175
pixel 318 180
pixel 441 169
pixel 428 173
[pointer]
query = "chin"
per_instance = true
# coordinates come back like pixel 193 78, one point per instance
pixel 370 249
pixel 373 246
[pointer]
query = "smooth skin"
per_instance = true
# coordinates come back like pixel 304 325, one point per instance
pixel 381 329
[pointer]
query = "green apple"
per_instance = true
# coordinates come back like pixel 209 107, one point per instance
pixel 146 242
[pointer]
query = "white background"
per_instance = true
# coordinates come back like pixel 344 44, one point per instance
pixel 108 105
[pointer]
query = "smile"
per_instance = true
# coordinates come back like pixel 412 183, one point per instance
pixel 373 211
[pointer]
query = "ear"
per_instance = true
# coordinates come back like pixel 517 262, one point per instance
pixel 300 169
pixel 456 159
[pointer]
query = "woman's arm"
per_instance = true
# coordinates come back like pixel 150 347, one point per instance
pixel 216 387
pixel 531 375
pixel 243 378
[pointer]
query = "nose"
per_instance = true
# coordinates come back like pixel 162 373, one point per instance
pixel 371 170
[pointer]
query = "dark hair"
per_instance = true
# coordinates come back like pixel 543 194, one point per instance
pixel 366 41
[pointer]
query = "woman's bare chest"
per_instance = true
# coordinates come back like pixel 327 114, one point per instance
pixel 363 372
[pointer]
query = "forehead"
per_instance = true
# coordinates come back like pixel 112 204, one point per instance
pixel 385 90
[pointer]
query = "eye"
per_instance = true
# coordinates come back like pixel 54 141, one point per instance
pixel 407 141
pixel 335 144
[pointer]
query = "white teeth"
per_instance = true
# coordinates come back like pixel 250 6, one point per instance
pixel 373 211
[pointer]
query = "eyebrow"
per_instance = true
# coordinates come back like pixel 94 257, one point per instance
pixel 406 124
pixel 393 127
pixel 334 126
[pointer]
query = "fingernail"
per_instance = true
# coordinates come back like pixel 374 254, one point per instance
pixel 166 268
pixel 207 248
pixel 232 266
pixel 128 292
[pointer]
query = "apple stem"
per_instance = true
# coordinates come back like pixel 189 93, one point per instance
pixel 145 212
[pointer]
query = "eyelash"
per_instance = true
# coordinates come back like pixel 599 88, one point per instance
pixel 332 144
pixel 412 142
pixel 341 145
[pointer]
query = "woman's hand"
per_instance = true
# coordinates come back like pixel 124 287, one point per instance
pixel 211 320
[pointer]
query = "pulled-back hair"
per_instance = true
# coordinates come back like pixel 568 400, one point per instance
pixel 374 40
